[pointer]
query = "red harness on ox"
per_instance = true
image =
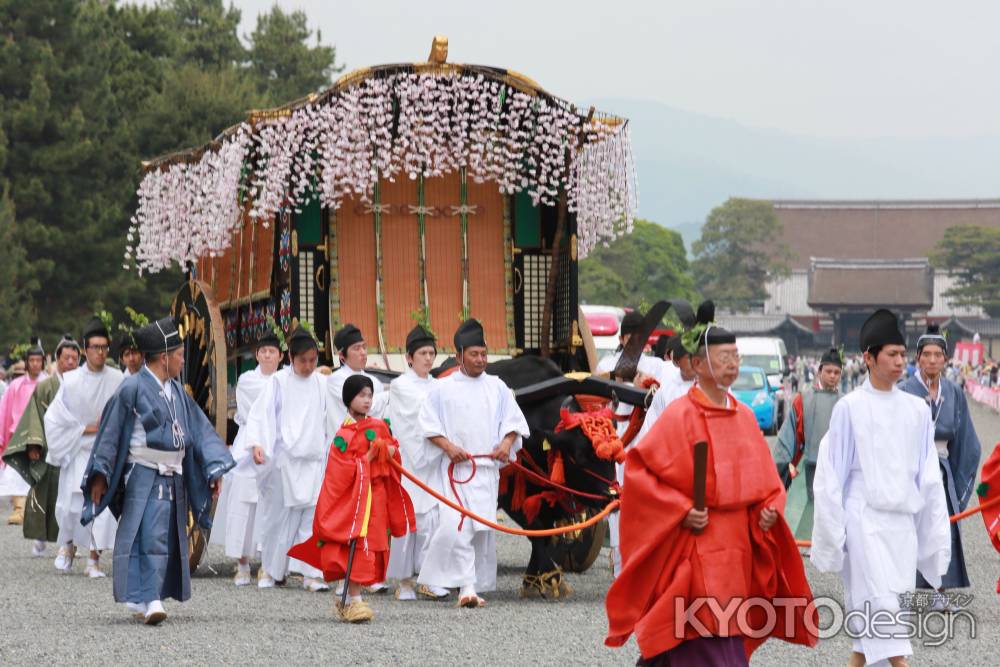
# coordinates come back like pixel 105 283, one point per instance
pixel 597 422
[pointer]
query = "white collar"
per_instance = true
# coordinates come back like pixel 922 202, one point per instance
pixel 165 386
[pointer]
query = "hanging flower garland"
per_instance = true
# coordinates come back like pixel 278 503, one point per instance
pixel 401 124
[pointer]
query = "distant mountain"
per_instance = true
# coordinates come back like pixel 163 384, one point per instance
pixel 688 163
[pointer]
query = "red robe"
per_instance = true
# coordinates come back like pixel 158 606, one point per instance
pixel 665 565
pixel 989 489
pixel 361 500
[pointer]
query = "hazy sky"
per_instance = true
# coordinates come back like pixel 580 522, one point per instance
pixel 836 68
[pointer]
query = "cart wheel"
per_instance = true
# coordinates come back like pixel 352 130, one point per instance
pixel 580 548
pixel 204 376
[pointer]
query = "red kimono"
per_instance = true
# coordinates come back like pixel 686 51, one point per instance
pixel 665 566
pixel 989 489
pixel 361 500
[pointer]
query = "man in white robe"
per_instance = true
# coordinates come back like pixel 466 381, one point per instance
pixel 235 513
pixel 287 445
pixel 649 367
pixel 473 419
pixel 881 514
pixel 670 391
pixel 353 351
pixel 406 396
pixel 71 425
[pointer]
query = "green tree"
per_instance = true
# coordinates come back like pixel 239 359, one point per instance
pixel 85 98
pixel 284 65
pixel 646 266
pixel 972 255
pixel 740 249
pixel 15 306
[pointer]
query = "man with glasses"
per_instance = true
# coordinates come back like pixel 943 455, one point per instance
pixel 27 450
pixel 675 556
pixel 71 424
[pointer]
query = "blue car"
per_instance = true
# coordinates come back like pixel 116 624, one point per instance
pixel 753 389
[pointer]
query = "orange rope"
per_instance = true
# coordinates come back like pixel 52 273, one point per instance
pixel 608 509
pixel 954 519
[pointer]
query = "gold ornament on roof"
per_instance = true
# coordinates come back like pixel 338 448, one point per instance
pixel 439 50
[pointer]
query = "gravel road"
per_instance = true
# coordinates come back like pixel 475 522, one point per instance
pixel 50 618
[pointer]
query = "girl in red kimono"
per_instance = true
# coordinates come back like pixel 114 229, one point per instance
pixel 360 504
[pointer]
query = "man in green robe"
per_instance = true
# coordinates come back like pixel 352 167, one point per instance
pixel 805 425
pixel 27 449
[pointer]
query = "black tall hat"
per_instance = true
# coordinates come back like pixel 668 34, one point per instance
pixel 419 337
pixel 676 347
pixel 469 334
pixel 831 356
pixel 882 328
pixel 95 327
pixel 301 340
pixel 932 336
pixel 712 334
pixel 631 322
pixel 347 336
pixel 158 336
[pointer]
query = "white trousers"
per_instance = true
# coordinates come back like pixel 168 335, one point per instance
pixel 457 558
pixel 407 553
pixel 281 528
pixel 12 485
pixel 99 534
pixel 233 528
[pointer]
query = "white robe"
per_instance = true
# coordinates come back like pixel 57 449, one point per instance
pixel 336 410
pixel 664 396
pixel 79 402
pixel 475 414
pixel 234 524
pixel 652 367
pixel 406 396
pixel 880 510
pixel 288 422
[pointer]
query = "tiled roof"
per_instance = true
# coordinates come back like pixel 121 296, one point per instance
pixel 844 229
pixel 902 283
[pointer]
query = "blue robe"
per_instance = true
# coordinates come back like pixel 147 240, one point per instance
pixel 150 558
pixel 952 423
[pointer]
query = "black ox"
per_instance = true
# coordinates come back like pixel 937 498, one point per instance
pixel 584 471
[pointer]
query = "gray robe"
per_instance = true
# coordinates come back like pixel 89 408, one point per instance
pixel 150 558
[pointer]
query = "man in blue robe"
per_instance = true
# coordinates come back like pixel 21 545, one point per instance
pixel 156 454
pixel 958 446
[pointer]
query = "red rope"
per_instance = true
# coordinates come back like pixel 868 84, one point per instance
pixel 548 532
pixel 530 473
pixel 545 480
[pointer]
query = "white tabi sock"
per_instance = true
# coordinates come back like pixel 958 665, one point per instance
pixel 467 592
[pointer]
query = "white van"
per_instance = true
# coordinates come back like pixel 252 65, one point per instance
pixel 770 354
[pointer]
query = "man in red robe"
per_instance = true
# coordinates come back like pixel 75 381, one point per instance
pixel 694 583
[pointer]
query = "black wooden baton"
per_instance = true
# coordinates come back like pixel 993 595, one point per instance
pixel 347 573
pixel 700 469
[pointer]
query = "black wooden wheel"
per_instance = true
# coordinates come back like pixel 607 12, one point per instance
pixel 580 548
pixel 204 376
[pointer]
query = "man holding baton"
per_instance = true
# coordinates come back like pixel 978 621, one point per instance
pixel 677 556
